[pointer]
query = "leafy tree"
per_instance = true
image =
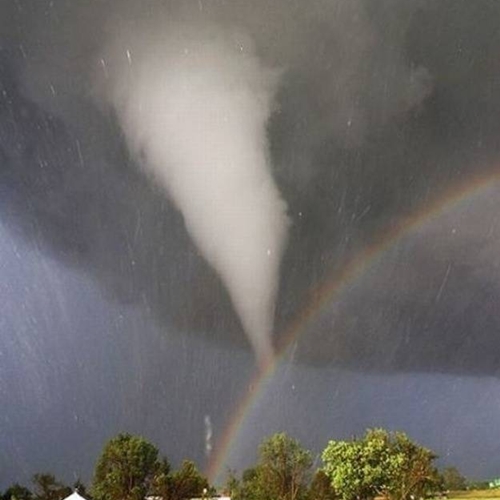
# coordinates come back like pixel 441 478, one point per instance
pixel 233 486
pixel 17 492
pixel 380 463
pixel 345 465
pixel 415 473
pixel 161 481
pixel 249 487
pixel 453 480
pixel 282 472
pixel 321 487
pixel 126 469
pixel 284 467
pixel 187 482
pixel 46 487
pixel 479 485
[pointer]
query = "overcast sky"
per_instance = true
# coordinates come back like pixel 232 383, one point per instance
pixel 361 203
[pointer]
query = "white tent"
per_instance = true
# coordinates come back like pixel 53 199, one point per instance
pixel 75 496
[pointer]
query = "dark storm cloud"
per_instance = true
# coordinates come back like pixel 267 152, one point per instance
pixel 378 110
pixel 80 198
pixel 76 368
pixel 427 304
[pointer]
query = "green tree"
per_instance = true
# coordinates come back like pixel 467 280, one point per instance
pixel 321 487
pixel 453 480
pixel 415 473
pixel 479 485
pixel 187 482
pixel 161 481
pixel 233 485
pixel 284 467
pixel 344 464
pixel 282 472
pixel 381 463
pixel 126 470
pixel 253 486
pixel 17 492
pixel 46 487
pixel 249 487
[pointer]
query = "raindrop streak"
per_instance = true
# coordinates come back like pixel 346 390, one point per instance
pixel 443 283
pixel 79 151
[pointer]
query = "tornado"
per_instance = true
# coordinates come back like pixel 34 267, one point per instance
pixel 193 103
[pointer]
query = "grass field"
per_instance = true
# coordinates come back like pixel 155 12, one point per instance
pixel 474 495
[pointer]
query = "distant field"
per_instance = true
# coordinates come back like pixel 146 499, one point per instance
pixel 474 494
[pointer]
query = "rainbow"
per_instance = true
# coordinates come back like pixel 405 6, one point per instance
pixel 324 294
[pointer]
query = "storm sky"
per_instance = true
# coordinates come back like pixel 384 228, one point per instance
pixel 373 127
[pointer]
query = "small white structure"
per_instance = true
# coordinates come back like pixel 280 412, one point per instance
pixel 75 496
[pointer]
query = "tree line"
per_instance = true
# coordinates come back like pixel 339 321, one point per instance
pixel 381 464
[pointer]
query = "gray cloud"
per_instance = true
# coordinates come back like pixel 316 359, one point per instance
pixel 427 303
pixel 377 111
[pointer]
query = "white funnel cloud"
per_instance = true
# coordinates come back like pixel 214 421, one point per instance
pixel 194 103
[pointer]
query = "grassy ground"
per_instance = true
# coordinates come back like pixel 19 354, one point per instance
pixel 474 495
